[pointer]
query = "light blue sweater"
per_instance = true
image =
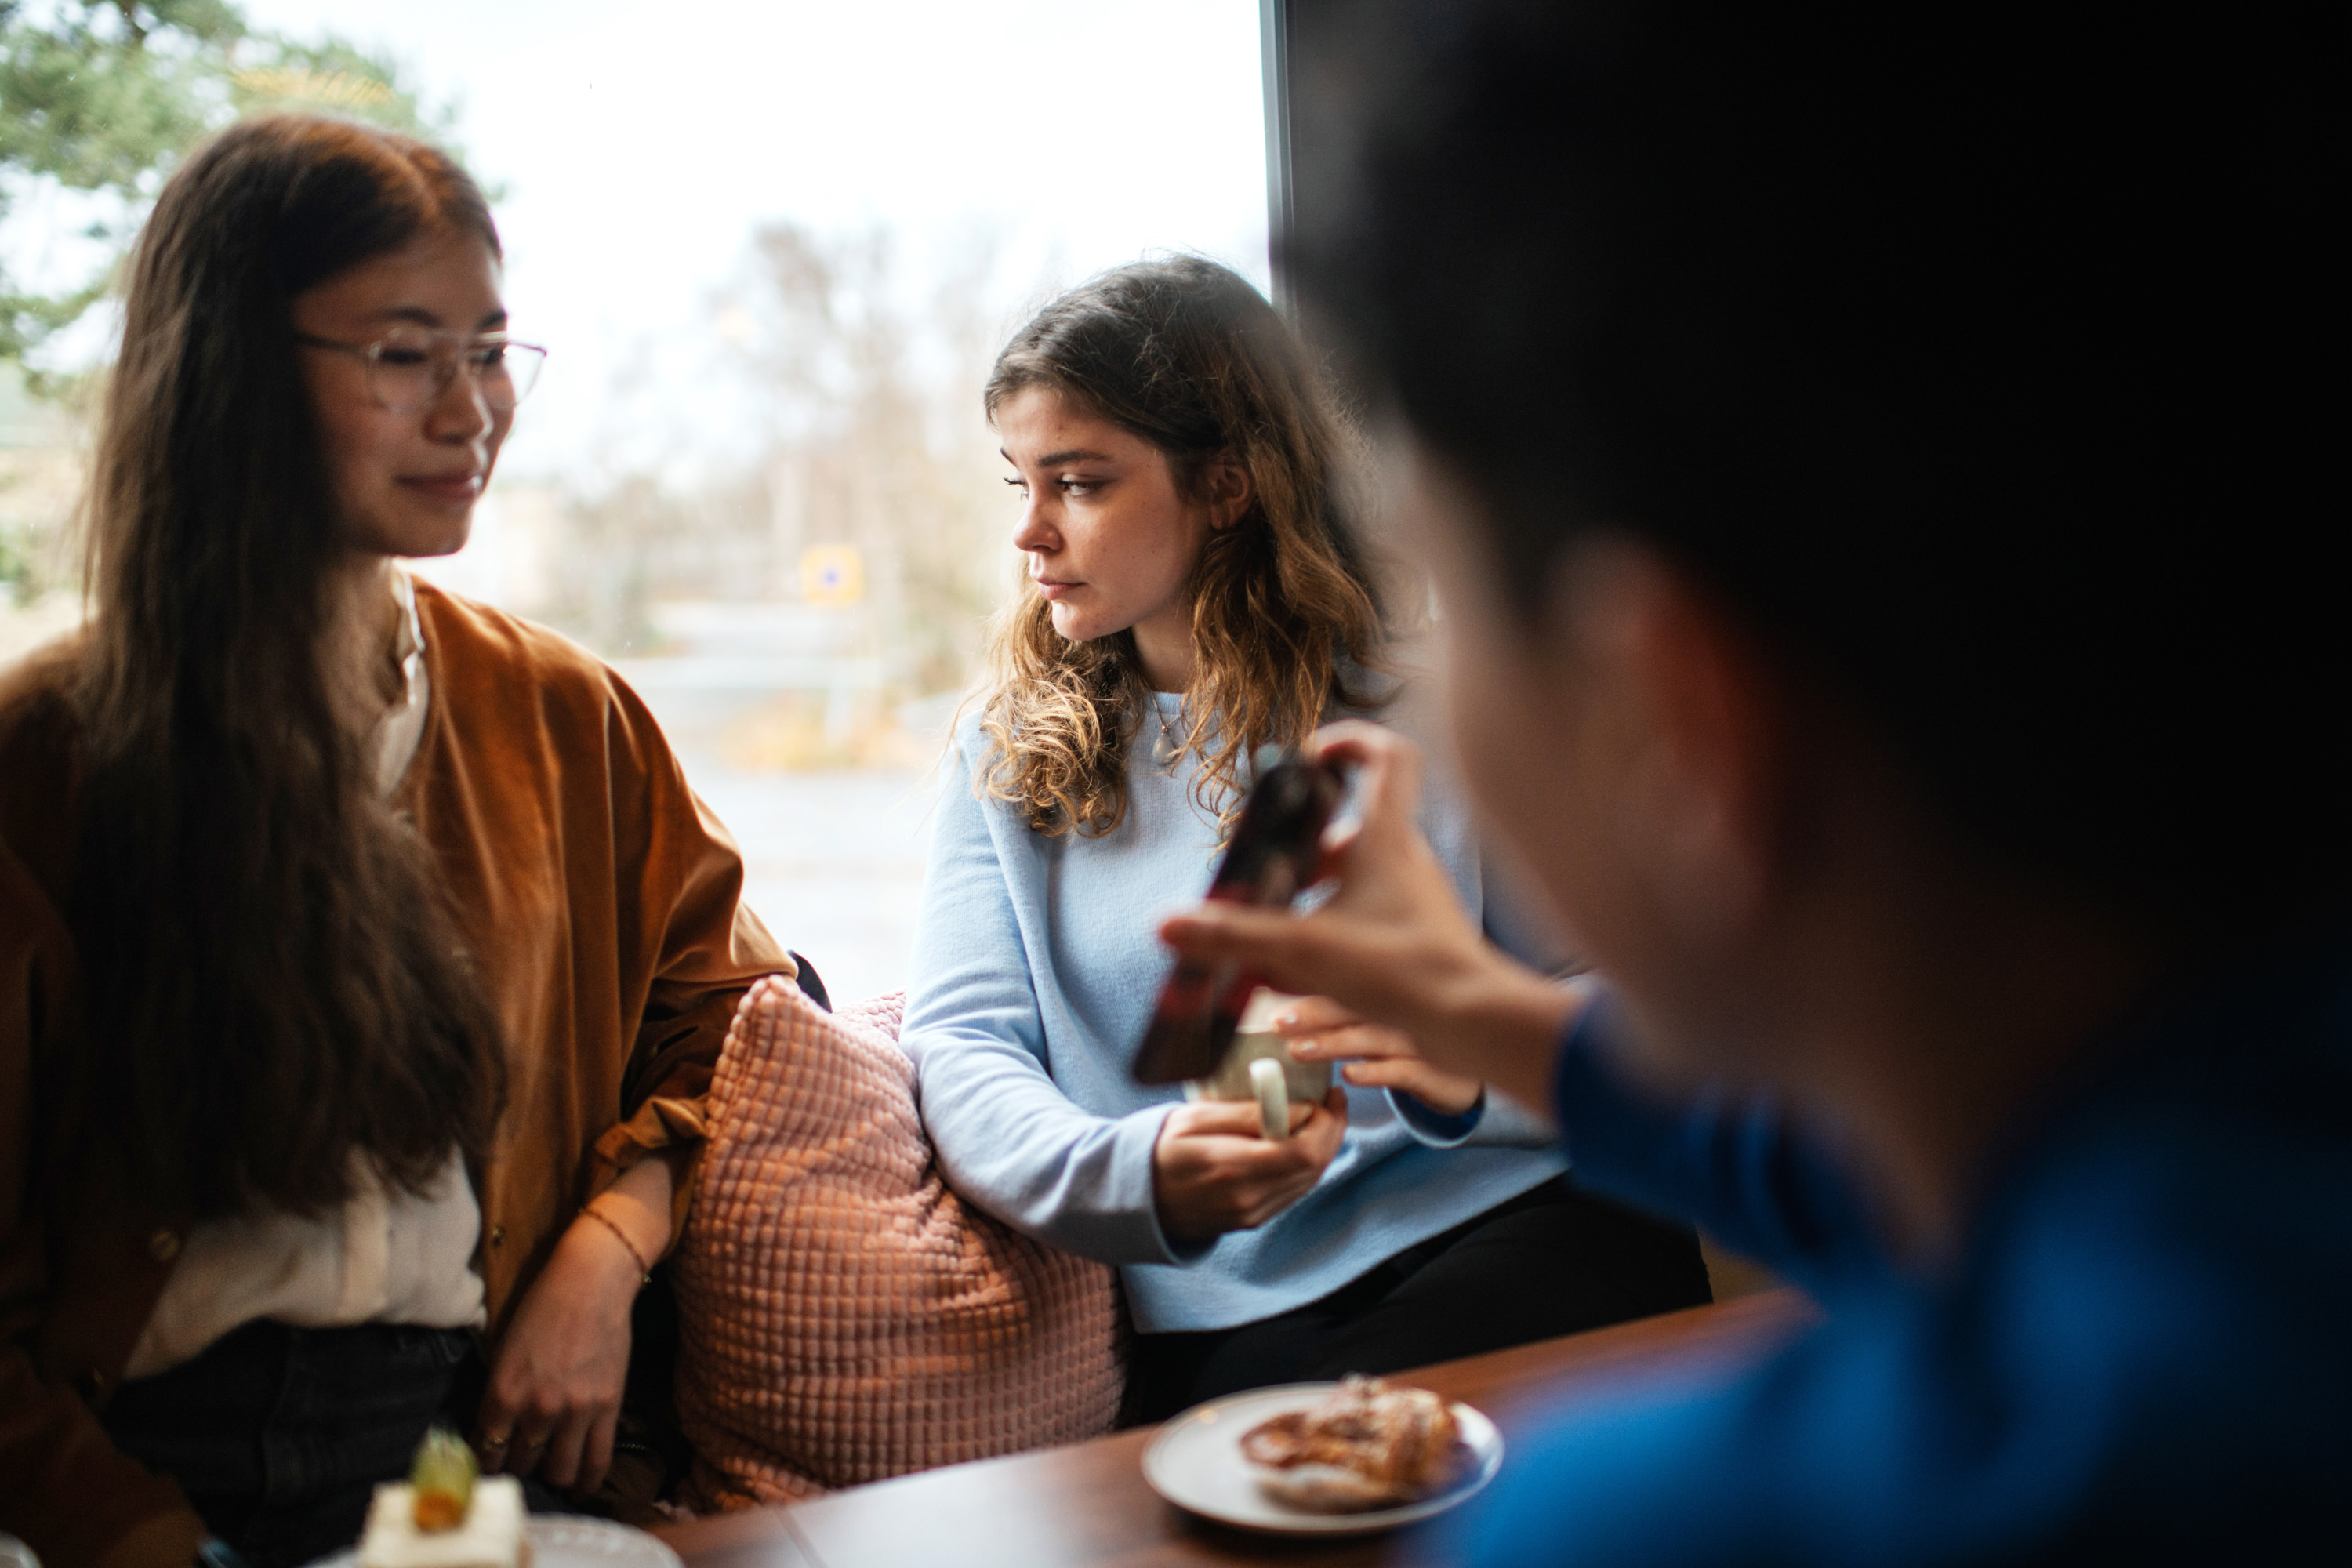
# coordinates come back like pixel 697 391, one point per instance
pixel 1037 964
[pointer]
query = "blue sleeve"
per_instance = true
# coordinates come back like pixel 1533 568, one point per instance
pixel 2136 1355
pixel 1433 1126
pixel 1496 1121
pixel 1733 1165
pixel 1007 1138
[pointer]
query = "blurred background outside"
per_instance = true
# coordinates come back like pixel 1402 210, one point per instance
pixel 772 248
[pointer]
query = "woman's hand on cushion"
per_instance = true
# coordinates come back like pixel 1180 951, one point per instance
pixel 554 1393
pixel 1214 1169
pixel 1372 1057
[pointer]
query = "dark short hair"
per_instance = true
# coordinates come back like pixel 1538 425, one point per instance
pixel 1969 359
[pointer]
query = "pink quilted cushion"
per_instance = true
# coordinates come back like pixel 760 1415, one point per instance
pixel 844 1316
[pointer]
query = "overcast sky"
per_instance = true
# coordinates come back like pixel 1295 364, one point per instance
pixel 641 145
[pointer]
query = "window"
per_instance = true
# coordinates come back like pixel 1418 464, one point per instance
pixel 773 250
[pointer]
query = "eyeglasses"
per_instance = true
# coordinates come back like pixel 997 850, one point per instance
pixel 410 368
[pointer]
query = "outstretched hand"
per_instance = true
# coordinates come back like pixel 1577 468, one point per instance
pixel 1393 945
pixel 1371 1056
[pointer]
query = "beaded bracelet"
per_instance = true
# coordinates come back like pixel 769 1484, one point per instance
pixel 644 1270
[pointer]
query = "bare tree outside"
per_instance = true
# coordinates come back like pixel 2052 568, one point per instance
pixel 792 602
pixel 878 439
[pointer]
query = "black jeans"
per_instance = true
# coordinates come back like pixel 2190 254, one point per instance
pixel 279 1435
pixel 1551 1261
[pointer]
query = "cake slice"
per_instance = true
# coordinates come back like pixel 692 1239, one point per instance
pixel 491 1535
pixel 1366 1446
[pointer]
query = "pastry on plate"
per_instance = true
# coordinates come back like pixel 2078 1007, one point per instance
pixel 447 1514
pixel 1366 1446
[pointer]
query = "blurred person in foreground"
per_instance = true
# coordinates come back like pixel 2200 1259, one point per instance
pixel 364 955
pixel 1874 477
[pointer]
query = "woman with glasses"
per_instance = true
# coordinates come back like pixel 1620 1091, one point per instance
pixel 364 954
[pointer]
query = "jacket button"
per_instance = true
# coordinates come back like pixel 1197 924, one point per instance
pixel 497 1236
pixel 163 1247
pixel 90 1383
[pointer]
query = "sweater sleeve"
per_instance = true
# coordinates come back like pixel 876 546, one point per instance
pixel 1007 1138
pixel 1733 1163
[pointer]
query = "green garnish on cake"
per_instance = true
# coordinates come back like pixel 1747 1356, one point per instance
pixel 447 1514
pixel 443 1481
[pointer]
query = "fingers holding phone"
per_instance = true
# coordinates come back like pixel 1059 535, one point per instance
pixel 1393 943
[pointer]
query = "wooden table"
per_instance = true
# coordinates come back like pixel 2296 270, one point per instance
pixel 1087 1504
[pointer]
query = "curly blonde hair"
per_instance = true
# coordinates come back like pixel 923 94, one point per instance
pixel 1287 619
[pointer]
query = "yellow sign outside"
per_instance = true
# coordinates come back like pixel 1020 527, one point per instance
pixel 832 574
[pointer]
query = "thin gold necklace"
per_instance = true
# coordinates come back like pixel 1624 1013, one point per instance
pixel 1168 740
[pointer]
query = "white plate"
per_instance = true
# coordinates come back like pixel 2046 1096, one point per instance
pixel 568 1540
pixel 1196 1463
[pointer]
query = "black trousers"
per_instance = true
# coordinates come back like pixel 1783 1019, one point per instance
pixel 1551 1261
pixel 279 1435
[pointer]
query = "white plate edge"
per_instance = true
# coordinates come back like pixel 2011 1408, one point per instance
pixel 1324 1524
pixel 549 1523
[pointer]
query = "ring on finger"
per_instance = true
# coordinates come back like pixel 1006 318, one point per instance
pixel 492 1445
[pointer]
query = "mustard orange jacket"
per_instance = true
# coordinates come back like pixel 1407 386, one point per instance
pixel 601 902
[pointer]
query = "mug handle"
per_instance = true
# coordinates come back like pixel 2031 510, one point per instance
pixel 1273 1098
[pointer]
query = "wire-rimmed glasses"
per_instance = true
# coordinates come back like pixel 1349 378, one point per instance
pixel 409 368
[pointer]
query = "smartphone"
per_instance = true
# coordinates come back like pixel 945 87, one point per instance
pixel 1275 847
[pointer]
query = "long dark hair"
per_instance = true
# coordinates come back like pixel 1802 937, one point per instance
pixel 274 985
pixel 1286 615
